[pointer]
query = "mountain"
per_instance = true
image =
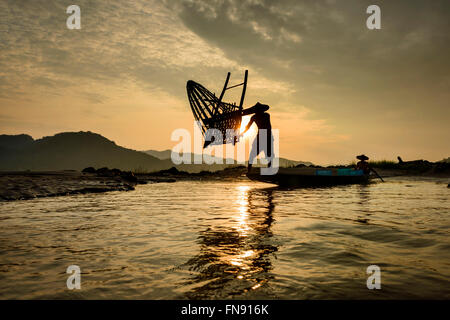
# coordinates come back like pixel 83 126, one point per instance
pixel 72 150
pixel 166 154
pixel 15 142
pixel 162 155
pixel 78 150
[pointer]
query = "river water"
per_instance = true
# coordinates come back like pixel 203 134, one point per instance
pixel 231 240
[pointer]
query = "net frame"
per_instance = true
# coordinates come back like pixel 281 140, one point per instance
pixel 212 113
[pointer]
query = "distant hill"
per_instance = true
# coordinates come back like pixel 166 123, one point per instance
pixel 15 142
pixel 78 150
pixel 292 163
pixel 162 155
pixel 72 150
pixel 166 154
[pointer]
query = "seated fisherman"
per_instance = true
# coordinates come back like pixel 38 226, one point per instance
pixel 363 164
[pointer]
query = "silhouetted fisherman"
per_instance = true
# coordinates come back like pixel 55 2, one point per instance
pixel 262 120
pixel 364 166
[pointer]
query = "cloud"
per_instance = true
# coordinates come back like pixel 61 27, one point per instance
pixel 326 42
pixel 302 55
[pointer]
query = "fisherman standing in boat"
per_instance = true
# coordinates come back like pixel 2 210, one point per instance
pixel 262 120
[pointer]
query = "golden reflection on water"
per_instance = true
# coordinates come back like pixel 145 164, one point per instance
pixel 242 207
pixel 236 257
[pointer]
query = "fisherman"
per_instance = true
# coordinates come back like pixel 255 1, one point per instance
pixel 262 120
pixel 363 164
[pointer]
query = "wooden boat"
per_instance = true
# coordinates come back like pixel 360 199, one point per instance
pixel 311 177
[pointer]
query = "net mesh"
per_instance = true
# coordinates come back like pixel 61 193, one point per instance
pixel 211 113
pixel 228 123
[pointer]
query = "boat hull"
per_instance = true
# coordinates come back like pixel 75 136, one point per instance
pixel 310 177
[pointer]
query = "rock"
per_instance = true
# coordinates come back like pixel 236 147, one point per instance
pixel 171 171
pixel 116 172
pixel 129 176
pixel 103 171
pixel 89 170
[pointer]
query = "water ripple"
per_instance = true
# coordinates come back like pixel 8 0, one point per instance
pixel 231 240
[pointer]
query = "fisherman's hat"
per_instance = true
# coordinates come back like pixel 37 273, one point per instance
pixel 261 107
pixel 362 157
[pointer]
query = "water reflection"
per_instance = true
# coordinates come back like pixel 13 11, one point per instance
pixel 219 240
pixel 235 258
pixel 363 192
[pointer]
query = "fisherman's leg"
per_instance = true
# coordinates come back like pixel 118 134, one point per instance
pixel 253 153
pixel 268 149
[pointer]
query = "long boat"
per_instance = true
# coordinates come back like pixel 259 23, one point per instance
pixel 311 177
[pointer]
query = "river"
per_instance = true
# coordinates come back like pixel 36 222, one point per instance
pixel 231 240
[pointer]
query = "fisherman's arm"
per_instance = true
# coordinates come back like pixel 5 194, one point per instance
pixel 252 120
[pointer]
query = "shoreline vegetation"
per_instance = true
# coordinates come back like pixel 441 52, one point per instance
pixel 23 185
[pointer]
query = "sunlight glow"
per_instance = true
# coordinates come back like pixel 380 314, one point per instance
pixel 242 203
pixel 243 260
pixel 251 132
pixel 256 286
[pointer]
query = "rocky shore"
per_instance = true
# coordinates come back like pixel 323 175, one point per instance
pixel 173 174
pixel 25 185
pixel 30 185
pixel 422 168
pixel 418 168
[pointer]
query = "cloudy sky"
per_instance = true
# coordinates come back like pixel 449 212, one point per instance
pixel 336 88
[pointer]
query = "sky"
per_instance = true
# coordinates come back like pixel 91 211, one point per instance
pixel 335 88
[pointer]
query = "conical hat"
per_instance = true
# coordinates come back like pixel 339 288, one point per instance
pixel 362 157
pixel 259 107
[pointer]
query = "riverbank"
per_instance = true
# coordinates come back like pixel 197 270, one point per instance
pixel 30 185
pixel 24 185
pixel 412 168
pixel 227 174
pixel 416 168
